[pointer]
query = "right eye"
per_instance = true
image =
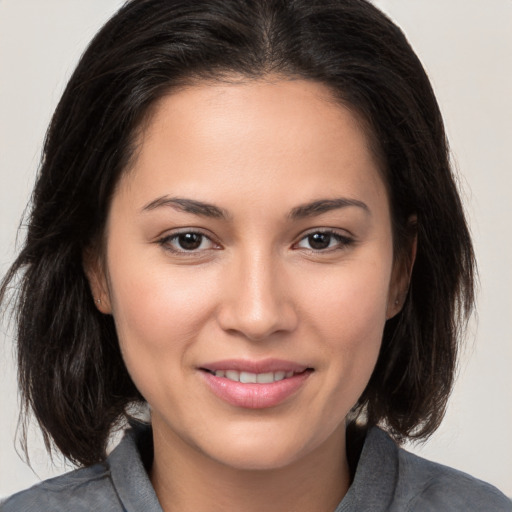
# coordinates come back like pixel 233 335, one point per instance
pixel 187 242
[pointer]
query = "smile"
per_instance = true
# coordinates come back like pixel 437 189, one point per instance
pixel 253 378
pixel 255 385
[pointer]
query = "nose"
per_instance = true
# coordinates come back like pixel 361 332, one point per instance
pixel 257 301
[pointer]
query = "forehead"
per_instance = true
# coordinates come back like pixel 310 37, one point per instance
pixel 245 136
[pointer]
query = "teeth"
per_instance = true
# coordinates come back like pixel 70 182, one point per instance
pixel 280 375
pixel 253 378
pixel 247 377
pixel 265 378
pixel 232 375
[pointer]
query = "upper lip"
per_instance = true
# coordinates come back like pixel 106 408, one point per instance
pixel 253 366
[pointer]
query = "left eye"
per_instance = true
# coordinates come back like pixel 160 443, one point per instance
pixel 187 242
pixel 322 240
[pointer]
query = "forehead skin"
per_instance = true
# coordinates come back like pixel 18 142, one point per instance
pixel 230 123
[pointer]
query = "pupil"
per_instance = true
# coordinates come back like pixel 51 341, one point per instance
pixel 189 241
pixel 319 240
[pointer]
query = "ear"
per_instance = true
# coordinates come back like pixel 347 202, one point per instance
pixel 95 272
pixel 402 271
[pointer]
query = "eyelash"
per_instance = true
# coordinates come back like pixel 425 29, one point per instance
pixel 167 240
pixel 343 241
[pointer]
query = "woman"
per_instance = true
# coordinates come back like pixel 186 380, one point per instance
pixel 245 218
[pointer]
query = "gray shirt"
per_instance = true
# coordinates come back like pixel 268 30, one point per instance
pixel 387 478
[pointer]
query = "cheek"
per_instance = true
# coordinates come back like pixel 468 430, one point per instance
pixel 149 295
pixel 157 312
pixel 348 310
pixel 351 302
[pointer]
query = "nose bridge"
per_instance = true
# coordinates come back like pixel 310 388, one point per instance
pixel 257 304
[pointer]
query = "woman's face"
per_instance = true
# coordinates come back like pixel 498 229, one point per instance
pixel 250 270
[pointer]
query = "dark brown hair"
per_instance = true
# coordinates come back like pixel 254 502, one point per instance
pixel 70 368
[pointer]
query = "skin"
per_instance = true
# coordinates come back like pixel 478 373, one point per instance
pixel 254 288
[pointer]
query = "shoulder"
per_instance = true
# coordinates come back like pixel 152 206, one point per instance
pixel 423 485
pixel 118 484
pixel 80 490
pixel 390 479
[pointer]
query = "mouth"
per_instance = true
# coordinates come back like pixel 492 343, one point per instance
pixel 255 385
pixel 246 377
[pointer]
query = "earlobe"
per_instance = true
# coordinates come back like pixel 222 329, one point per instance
pixel 393 308
pixel 402 271
pixel 96 275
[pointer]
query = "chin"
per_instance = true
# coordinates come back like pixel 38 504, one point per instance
pixel 261 458
pixel 263 450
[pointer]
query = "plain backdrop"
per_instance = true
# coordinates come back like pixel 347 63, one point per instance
pixel 466 47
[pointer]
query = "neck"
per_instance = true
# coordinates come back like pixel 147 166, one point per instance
pixel 186 480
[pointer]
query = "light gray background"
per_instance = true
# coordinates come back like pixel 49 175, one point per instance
pixel 466 47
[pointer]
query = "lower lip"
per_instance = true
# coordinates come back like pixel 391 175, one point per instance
pixel 255 396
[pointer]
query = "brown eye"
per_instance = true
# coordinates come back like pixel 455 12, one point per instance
pixel 319 241
pixel 189 241
pixel 324 241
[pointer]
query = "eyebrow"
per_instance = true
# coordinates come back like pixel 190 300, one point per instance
pixel 210 210
pixel 325 205
pixel 188 206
